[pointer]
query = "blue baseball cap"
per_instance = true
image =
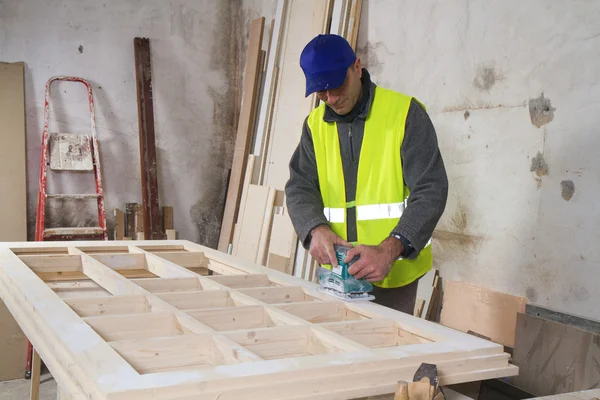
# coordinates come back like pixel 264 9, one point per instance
pixel 325 61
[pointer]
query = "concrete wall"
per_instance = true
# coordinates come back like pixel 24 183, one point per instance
pixel 196 81
pixel 512 89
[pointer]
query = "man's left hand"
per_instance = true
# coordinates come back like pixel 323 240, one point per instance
pixel 375 262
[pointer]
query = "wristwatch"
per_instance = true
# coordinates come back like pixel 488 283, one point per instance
pixel 408 248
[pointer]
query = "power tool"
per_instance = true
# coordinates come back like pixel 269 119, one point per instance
pixel 339 283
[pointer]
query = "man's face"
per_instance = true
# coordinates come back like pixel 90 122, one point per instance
pixel 341 100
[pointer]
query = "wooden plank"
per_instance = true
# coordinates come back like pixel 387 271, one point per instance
pixel 270 85
pixel 168 285
pixel 36 369
pixel 469 307
pixel 244 133
pixel 167 218
pixel 140 326
pixel 13 347
pixel 166 354
pixel 304 20
pixel 114 305
pixel 353 23
pixel 255 219
pixel 242 207
pixel 555 358
pixel 130 213
pixel 148 167
pixel 119 224
pixel 13 202
pixel 282 245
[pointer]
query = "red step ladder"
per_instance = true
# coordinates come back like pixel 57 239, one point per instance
pixel 70 152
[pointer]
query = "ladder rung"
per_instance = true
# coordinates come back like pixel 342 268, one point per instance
pixel 79 231
pixel 74 196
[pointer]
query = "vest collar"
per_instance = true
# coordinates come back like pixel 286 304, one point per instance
pixel 361 109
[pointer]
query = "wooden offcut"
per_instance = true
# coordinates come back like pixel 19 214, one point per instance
pixel 246 332
pixel 244 134
pixel 470 307
pixel 119 224
pixel 148 166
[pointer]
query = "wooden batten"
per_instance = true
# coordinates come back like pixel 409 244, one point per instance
pixel 244 133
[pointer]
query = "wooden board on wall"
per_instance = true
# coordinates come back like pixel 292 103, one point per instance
pixel 13 203
pixel 555 358
pixel 469 307
pixel 244 134
pixel 306 19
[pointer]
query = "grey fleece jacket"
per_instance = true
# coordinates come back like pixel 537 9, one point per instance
pixel 422 166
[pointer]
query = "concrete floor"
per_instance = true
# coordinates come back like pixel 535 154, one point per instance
pixel 19 389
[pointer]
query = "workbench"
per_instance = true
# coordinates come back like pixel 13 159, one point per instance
pixel 171 319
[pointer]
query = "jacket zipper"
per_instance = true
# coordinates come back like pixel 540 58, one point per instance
pixel 351 146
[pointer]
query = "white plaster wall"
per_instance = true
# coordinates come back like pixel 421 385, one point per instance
pixel 195 87
pixel 504 226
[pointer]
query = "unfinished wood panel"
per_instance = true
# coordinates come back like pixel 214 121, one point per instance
pixel 13 347
pixel 282 245
pixel 115 305
pixel 237 318
pixel 166 354
pixel 168 285
pixel 289 330
pixel 277 295
pixel 78 289
pixel 125 327
pixel 198 300
pixel 243 281
pixel 474 308
pixel 13 202
pixel 254 225
pixel 324 311
pixel 244 133
pixel 376 333
pixel 555 358
pixel 305 19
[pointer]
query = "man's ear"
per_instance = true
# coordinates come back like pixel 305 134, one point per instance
pixel 358 67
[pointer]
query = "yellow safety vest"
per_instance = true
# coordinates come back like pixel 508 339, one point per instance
pixel 381 194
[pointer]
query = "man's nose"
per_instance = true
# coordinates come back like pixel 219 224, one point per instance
pixel 332 97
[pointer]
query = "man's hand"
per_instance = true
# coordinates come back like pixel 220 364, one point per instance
pixel 375 262
pixel 321 245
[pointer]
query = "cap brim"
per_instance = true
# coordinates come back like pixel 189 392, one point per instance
pixel 325 80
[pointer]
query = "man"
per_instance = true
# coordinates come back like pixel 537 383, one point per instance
pixel 367 172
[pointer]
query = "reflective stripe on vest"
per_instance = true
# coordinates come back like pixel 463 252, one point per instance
pixel 366 212
pixel 381 194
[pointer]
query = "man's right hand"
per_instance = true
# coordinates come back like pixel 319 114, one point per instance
pixel 321 245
